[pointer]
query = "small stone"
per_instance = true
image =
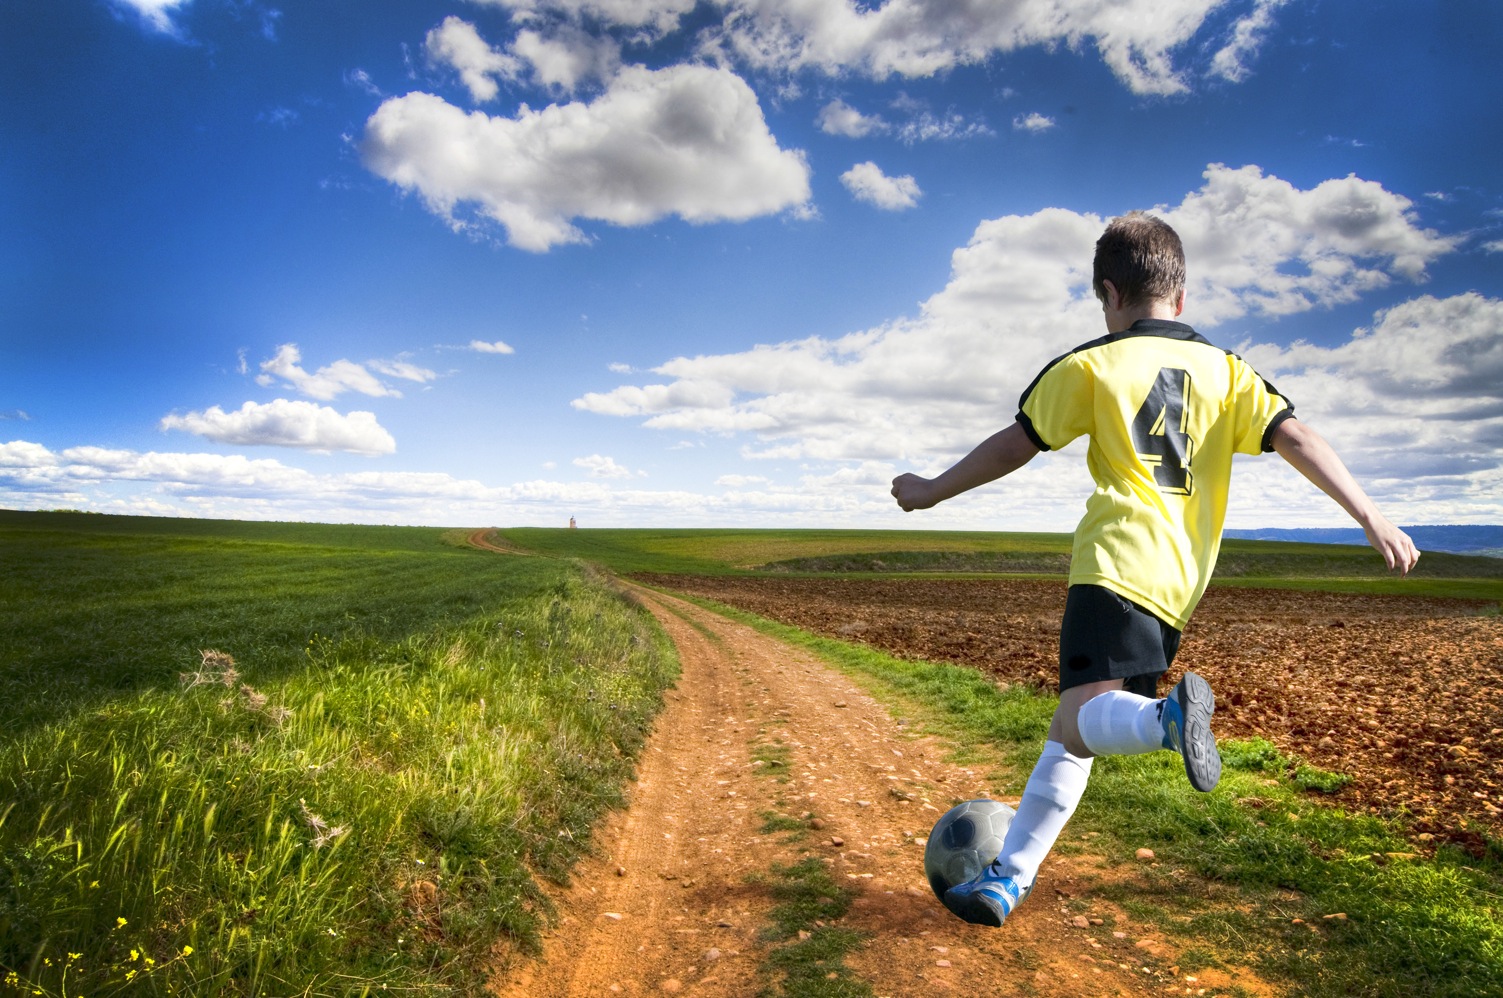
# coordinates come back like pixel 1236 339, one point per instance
pixel 803 934
pixel 614 916
pixel 816 823
pixel 837 841
pixel 1119 935
pixel 620 871
pixel 840 703
pixel 942 963
pixel 1144 854
pixel 711 955
pixel 1326 743
pixel 1098 921
pixel 723 924
pixel 1339 916
pixel 1081 922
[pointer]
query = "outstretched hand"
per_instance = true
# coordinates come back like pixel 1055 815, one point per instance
pixel 1393 544
pixel 913 492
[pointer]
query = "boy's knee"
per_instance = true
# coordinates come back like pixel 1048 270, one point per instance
pixel 1065 729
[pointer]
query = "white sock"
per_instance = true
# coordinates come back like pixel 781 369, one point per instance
pixel 1120 723
pixel 1049 799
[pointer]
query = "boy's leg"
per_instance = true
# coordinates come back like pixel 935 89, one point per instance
pixel 1053 790
pixel 1124 723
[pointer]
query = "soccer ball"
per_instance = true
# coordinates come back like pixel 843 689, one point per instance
pixel 964 842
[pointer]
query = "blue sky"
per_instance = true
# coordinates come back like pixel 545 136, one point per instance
pixel 720 264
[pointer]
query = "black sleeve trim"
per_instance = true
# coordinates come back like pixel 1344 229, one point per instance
pixel 1273 424
pixel 1033 435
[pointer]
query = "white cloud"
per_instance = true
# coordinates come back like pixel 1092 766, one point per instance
pixel 561 57
pixel 928 387
pixel 600 466
pixel 497 346
pixel 1230 62
pixel 927 127
pixel 334 379
pixel 567 56
pixel 1033 122
pixel 661 16
pixel 1495 246
pixel 618 368
pixel 839 118
pixel 921 38
pixel 157 14
pixel 1258 243
pixel 281 423
pixel 362 81
pixel 403 369
pixel 868 183
pixel 688 141
pixel 741 481
pixel 456 43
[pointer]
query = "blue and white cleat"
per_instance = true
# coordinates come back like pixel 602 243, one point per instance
pixel 1186 717
pixel 986 900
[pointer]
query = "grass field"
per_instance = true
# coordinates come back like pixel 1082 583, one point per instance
pixel 396 734
pixel 351 795
pixel 1276 564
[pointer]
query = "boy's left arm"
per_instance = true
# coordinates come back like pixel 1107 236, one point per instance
pixel 1314 458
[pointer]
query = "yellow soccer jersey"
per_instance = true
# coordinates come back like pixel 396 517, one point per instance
pixel 1165 411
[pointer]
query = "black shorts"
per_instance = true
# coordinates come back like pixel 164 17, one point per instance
pixel 1105 636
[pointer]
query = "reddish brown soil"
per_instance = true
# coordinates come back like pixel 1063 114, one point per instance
pixel 1403 694
pixel 677 900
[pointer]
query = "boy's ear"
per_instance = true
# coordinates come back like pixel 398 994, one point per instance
pixel 1113 299
pixel 1179 303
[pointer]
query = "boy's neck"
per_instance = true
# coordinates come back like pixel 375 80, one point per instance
pixel 1123 319
pixel 1119 320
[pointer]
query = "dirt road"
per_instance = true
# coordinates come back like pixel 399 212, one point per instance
pixel 678 899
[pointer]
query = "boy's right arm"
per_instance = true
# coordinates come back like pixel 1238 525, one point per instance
pixel 1314 458
pixel 999 454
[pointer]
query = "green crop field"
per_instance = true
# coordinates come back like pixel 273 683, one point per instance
pixel 350 793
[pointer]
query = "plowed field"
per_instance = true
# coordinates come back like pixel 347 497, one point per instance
pixel 1403 694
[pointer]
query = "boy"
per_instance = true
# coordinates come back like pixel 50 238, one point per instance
pixel 1165 410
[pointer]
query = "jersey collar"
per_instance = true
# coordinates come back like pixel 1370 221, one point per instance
pixel 1167 328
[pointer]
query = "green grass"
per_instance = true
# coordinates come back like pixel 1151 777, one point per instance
pixel 1268 564
pixel 809 946
pixel 413 735
pixel 1264 850
pixel 717 552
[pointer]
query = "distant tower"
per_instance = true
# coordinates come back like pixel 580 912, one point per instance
pixel 571 523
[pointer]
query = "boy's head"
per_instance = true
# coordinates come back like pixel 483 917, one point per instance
pixel 1142 257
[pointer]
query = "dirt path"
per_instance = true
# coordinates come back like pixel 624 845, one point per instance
pixel 677 901
pixel 482 539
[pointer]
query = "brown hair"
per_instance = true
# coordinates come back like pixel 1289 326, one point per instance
pixel 1142 257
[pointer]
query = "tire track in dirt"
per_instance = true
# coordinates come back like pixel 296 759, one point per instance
pixel 482 539
pixel 676 898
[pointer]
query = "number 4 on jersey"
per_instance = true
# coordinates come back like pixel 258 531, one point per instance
pixel 1158 431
